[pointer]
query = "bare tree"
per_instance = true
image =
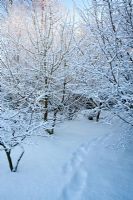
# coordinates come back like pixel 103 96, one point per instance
pixel 109 23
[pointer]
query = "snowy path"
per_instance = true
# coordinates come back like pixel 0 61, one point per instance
pixel 102 169
pixel 83 161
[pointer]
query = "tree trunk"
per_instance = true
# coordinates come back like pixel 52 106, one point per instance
pixel 51 131
pixel 98 116
pixel 54 120
pixel 8 154
pixel 46 109
pixel 18 161
pixel 46 100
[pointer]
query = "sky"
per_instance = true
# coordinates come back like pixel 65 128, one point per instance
pixel 69 3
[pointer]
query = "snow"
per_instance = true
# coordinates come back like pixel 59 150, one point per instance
pixel 44 51
pixel 83 160
pixel 101 169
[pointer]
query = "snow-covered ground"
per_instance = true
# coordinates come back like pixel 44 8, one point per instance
pixel 84 160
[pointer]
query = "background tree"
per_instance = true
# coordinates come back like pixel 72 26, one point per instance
pixel 109 24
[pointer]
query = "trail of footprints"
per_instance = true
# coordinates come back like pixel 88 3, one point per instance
pixel 76 175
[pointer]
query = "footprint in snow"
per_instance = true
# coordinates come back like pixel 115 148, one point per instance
pixel 74 188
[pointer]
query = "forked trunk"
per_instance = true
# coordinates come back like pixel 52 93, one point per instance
pixel 8 154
